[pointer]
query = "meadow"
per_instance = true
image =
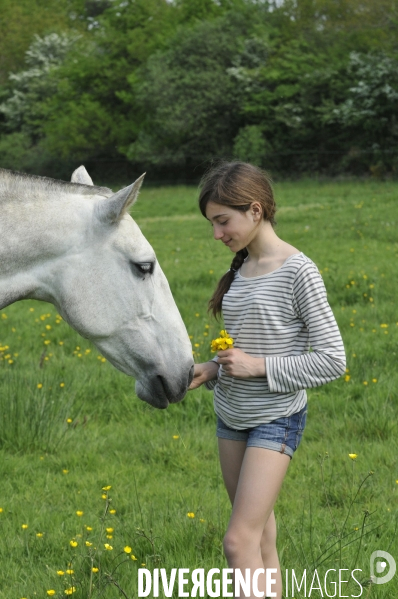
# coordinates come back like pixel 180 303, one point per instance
pixel 95 483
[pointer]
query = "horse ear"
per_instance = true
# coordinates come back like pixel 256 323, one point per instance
pixel 113 208
pixel 80 175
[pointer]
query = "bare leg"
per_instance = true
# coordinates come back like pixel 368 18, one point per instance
pixel 253 477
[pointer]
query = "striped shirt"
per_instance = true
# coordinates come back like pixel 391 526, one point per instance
pixel 283 316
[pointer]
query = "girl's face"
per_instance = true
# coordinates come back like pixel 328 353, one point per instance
pixel 236 229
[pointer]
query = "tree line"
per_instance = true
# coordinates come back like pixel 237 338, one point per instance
pixel 294 86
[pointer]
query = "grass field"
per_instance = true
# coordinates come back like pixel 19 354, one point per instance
pixel 72 426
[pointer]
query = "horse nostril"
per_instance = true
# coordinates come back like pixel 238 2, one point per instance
pixel 190 375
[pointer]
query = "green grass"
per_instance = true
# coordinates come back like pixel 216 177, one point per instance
pixel 50 468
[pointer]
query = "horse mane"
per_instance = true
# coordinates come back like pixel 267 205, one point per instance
pixel 14 181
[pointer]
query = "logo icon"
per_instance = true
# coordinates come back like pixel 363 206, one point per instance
pixel 382 567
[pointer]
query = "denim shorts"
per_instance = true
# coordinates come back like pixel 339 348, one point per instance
pixel 283 435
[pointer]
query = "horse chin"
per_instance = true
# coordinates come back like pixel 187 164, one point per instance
pixel 154 397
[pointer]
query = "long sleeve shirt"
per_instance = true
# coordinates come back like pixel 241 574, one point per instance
pixel 284 317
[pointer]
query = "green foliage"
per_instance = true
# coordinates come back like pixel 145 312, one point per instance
pixel 297 87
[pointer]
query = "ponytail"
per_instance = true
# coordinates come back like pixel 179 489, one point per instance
pixel 215 302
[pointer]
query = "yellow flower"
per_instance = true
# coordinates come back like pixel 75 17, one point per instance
pixel 88 544
pixel 353 456
pixel 69 420
pixel 374 380
pixel 95 570
pixel 133 558
pixel 109 530
pixel 89 528
pixel 39 385
pixel 39 535
pixel 51 592
pixel 69 571
pixel 109 536
pixel 191 515
pixel 60 572
pixel 347 378
pixel 79 513
pixel 127 549
pixel 223 342
pixel 108 547
pixel 107 488
pixel 176 436
pixel 112 511
pixel 65 471
pixel 24 526
pixel 201 520
pixel 62 384
pixel 70 590
pixel 1 509
pixel 73 543
pixel 104 496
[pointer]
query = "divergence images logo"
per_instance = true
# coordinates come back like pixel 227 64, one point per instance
pixel 378 563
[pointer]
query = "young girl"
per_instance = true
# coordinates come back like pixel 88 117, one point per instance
pixel 275 308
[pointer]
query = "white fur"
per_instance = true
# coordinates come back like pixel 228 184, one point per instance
pixel 74 245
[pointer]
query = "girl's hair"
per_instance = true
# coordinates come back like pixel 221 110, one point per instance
pixel 235 184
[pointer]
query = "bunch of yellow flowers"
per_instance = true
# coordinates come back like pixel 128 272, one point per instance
pixel 222 342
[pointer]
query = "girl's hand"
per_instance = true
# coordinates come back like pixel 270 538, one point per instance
pixel 203 373
pixel 237 363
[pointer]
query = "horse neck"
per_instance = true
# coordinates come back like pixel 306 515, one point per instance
pixel 33 234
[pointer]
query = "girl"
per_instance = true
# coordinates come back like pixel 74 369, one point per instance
pixel 275 308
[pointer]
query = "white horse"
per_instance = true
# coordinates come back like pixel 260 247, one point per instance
pixel 74 245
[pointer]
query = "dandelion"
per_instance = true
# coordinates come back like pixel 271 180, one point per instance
pixel 62 385
pixel 39 535
pixel 79 513
pixel 107 488
pixel 73 544
pixel 24 526
pixel 191 515
pixel 60 572
pixel 374 380
pixel 70 590
pixel 347 378
pixel 365 382
pixel 109 530
pixel 51 592
pixel 89 528
pixel 39 385
pixel 95 570
pixel 176 436
pixel 353 456
pixel 88 544
pixel 1 510
pixel 108 547
pixel 69 420
pixel 133 558
pixel 65 471
pixel 112 511
pixel 223 342
pixel 70 572
pixel 104 496
pixel 127 549
pixel 109 536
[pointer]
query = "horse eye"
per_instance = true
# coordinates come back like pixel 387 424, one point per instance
pixel 144 267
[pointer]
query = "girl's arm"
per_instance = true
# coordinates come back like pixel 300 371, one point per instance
pixel 326 361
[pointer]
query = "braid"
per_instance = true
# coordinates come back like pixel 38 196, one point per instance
pixel 215 303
